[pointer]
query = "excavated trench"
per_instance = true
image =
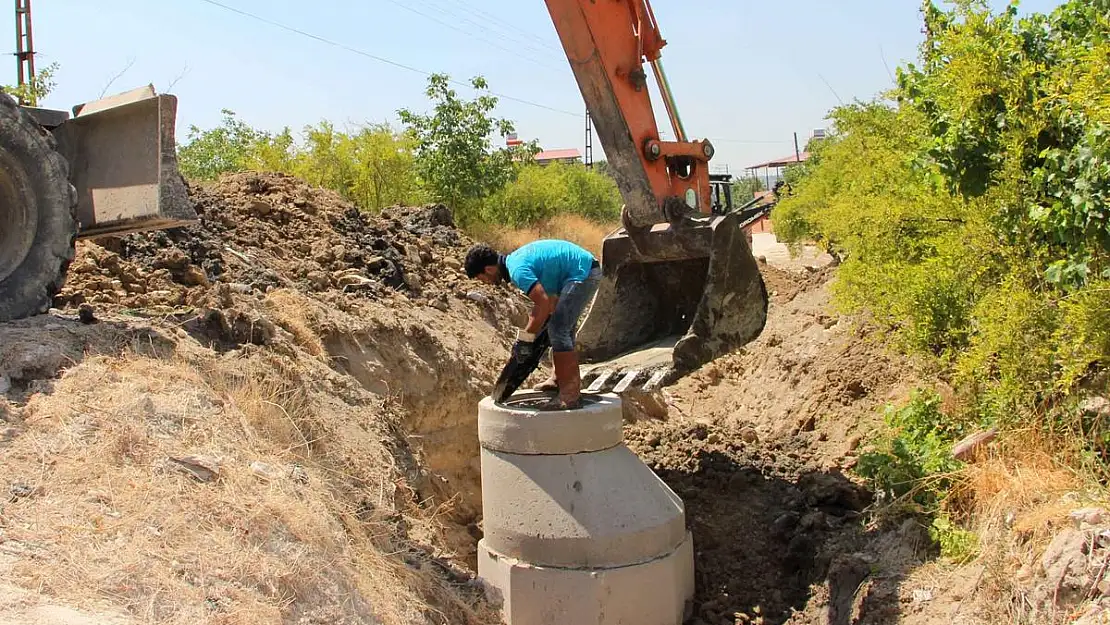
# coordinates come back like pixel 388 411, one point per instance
pixel 768 526
pixel 777 533
pixel 778 527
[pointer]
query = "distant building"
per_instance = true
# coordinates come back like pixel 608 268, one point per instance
pixel 568 156
pixel 545 157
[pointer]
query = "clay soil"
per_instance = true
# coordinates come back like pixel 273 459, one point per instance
pixel 759 444
pixel 332 361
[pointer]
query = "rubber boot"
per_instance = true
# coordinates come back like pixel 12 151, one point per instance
pixel 570 378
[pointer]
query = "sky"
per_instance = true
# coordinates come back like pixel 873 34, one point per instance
pixel 747 75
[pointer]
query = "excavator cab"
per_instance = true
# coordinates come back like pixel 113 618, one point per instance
pixel 680 285
pixel 721 185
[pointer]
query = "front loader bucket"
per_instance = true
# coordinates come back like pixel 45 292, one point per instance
pixel 688 295
pixel 123 163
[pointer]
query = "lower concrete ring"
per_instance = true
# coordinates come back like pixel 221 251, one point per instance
pixel 656 592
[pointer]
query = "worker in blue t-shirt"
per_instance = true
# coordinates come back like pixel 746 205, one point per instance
pixel 561 279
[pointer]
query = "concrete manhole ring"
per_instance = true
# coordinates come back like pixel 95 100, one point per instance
pixel 536 401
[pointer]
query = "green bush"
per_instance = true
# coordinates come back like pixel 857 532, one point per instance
pixel 373 166
pixel 32 92
pixel 540 192
pixel 913 459
pixel 971 205
pixel 445 156
pixel 744 189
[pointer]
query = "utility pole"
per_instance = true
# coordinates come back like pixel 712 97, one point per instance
pixel 797 152
pixel 24 51
pixel 589 156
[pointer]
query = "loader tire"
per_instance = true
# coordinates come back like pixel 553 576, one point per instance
pixel 37 223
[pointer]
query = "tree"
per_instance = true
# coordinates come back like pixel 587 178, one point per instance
pixel 373 167
pixel 454 155
pixel 744 189
pixel 232 146
pixel 38 88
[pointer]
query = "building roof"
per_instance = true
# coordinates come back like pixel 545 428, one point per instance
pixel 781 162
pixel 554 155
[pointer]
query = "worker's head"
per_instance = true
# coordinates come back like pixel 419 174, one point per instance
pixel 482 264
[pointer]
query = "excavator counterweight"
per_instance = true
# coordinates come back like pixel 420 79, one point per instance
pixel 680 285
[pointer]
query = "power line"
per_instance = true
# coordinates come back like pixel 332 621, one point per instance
pixel 751 141
pixel 453 27
pixel 493 18
pixel 375 57
pixel 416 70
pixel 507 30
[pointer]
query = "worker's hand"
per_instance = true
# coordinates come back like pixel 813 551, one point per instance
pixel 525 347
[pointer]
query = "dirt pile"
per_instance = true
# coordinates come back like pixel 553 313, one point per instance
pixel 262 231
pixel 268 417
pixel 758 444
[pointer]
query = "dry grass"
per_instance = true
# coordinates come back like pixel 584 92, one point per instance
pixel 111 521
pixel 1016 499
pixel 573 228
pixel 297 315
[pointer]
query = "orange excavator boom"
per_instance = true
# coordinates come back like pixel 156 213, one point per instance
pixel 608 43
pixel 680 286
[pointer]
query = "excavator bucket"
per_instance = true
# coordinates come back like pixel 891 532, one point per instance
pixel 680 298
pixel 123 163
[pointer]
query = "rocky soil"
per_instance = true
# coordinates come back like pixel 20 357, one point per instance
pixel 758 444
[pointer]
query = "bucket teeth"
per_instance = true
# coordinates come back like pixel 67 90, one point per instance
pixel 626 381
pixel 655 380
pixel 599 383
pixel 602 379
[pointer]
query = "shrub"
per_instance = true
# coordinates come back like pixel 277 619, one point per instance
pixel 970 204
pixel 539 193
pixel 913 461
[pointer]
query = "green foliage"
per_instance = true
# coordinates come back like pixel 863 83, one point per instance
pixel 36 89
pixel 957 544
pixel 231 146
pixel 373 166
pixel 445 156
pixel 602 167
pixel 540 192
pixel 1003 113
pixel 914 459
pixel 744 189
pixel 455 157
pixel 970 207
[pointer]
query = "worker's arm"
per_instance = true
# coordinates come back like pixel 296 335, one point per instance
pixel 542 307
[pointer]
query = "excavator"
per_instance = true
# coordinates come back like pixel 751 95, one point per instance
pixel 680 285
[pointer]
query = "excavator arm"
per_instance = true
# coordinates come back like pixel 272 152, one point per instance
pixel 608 43
pixel 680 285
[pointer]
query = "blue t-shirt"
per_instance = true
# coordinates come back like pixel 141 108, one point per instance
pixel 552 263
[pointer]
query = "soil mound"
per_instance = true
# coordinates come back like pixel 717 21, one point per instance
pixel 758 444
pixel 264 417
pixel 261 231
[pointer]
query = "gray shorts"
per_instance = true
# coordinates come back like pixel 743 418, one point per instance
pixel 573 299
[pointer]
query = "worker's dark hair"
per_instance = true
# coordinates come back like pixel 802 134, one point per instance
pixel 478 258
